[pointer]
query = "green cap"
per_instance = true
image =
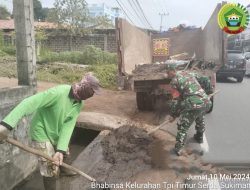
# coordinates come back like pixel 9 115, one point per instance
pixel 171 66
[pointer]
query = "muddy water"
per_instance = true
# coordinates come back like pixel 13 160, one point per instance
pixel 79 141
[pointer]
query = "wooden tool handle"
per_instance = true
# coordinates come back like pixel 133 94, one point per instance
pixel 160 126
pixel 211 95
pixel 38 153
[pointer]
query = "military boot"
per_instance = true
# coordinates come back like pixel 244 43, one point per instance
pixel 178 149
pixel 49 183
pixel 198 137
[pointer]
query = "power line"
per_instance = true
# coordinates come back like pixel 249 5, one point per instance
pixel 141 19
pixel 128 10
pixel 124 12
pixel 141 13
pixel 137 2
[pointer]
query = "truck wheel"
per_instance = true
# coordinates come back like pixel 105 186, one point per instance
pixel 145 101
pixel 239 79
pixel 212 106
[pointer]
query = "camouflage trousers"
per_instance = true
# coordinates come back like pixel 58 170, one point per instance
pixel 187 118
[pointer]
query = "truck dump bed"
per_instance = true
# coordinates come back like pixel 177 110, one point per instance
pixel 150 78
pixel 153 71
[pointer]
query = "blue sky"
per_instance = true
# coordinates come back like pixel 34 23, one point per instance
pixel 191 12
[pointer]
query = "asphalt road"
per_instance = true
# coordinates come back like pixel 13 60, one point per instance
pixel 228 126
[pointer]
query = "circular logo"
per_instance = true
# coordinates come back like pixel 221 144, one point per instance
pixel 233 18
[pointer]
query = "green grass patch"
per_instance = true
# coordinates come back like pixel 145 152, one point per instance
pixel 68 74
pixel 9 50
pixel 89 56
pixel 107 74
pixel 102 64
pixel 2 53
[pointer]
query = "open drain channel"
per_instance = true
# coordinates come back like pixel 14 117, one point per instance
pixel 81 138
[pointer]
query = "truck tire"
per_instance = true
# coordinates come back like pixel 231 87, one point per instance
pixel 212 106
pixel 239 79
pixel 145 101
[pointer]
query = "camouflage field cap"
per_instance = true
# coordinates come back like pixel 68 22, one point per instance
pixel 171 66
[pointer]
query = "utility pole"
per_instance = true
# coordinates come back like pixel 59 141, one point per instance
pixel 162 15
pixel 25 42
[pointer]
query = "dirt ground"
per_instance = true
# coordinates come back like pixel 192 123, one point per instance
pixel 119 103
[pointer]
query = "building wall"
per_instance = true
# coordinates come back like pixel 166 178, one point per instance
pixel 106 42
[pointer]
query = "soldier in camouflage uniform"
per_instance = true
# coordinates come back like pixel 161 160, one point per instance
pixel 204 81
pixel 193 103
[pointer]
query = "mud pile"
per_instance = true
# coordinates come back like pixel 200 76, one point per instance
pixel 148 69
pixel 126 144
pixel 127 149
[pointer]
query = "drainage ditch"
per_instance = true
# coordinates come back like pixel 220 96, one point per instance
pixel 81 138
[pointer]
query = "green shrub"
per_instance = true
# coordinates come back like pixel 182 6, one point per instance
pixel 59 74
pixel 50 57
pixel 107 74
pixel 89 56
pixel 64 74
pixel 2 53
pixel 93 55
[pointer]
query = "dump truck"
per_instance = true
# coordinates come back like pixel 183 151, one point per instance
pixel 143 55
pixel 151 81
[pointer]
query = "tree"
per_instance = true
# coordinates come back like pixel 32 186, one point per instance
pixel 37 9
pixel 4 13
pixel 46 13
pixel 103 21
pixel 40 13
pixel 72 14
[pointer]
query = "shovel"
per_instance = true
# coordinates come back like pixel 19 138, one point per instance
pixel 210 95
pixel 170 120
pixel 38 153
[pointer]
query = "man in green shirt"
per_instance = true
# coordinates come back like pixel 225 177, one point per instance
pixel 55 112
